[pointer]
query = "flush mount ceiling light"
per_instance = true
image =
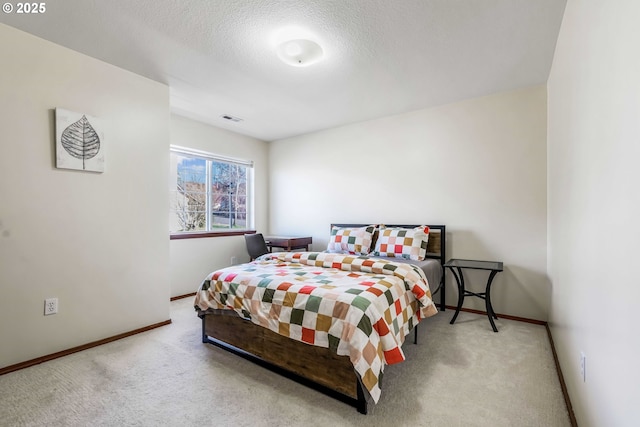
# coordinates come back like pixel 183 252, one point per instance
pixel 299 52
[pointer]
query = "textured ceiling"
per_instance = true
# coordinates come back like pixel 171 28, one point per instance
pixel 382 57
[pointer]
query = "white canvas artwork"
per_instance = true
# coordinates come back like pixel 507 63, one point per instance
pixel 79 141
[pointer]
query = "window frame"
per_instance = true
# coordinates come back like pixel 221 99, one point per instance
pixel 250 207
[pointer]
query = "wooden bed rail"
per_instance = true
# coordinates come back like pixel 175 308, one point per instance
pixel 315 367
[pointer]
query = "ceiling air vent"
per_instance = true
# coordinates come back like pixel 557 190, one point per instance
pixel 231 118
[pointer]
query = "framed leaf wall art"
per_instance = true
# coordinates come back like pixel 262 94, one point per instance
pixel 79 141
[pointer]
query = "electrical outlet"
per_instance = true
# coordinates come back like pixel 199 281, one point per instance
pixel 234 260
pixel 50 306
pixel 583 367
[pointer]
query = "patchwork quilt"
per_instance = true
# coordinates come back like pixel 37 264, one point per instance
pixel 357 306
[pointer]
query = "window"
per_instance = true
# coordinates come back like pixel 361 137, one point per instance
pixel 209 193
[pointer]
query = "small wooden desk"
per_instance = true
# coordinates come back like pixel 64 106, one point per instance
pixel 288 243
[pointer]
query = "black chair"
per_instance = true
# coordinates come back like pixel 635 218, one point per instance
pixel 256 245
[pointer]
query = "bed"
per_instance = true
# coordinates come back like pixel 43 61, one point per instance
pixel 331 319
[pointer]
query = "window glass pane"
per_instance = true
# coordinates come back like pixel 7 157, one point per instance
pixel 228 195
pixel 189 201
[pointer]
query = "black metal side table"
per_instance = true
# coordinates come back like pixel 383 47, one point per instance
pixel 458 264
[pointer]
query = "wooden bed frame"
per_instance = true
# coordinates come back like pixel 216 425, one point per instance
pixel 316 367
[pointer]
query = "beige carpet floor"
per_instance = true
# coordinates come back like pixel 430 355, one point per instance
pixel 458 375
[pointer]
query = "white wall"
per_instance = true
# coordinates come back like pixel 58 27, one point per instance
pixel 95 241
pixel 594 205
pixel 193 259
pixel 477 166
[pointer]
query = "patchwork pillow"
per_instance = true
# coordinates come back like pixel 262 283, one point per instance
pixel 408 243
pixel 352 241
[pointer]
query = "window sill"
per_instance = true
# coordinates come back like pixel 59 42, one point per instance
pixel 201 234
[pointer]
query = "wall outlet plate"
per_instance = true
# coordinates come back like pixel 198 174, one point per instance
pixel 50 306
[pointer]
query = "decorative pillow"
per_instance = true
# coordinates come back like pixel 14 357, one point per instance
pixel 352 241
pixel 409 243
